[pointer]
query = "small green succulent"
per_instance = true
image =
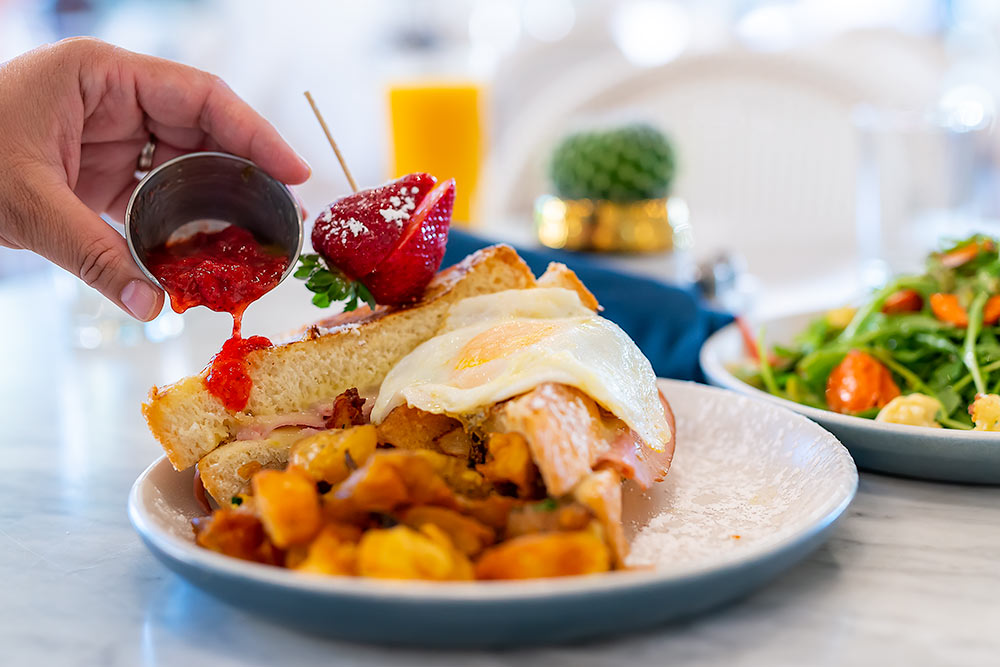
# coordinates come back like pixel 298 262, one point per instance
pixel 623 164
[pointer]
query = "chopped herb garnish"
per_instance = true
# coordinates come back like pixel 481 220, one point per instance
pixel 236 500
pixel 547 505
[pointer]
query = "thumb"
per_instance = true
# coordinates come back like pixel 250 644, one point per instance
pixel 78 240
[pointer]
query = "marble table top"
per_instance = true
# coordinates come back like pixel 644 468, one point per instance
pixel 911 576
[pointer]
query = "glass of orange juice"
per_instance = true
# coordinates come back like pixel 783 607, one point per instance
pixel 437 127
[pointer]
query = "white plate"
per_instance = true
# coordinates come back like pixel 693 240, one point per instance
pixel 914 451
pixel 752 490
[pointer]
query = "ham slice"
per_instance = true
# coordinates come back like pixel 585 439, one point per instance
pixel 569 435
pixel 261 427
pixel 347 409
pixel 633 459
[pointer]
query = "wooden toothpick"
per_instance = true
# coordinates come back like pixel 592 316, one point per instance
pixel 333 144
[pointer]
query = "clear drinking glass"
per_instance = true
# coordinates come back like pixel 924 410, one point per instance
pixel 923 177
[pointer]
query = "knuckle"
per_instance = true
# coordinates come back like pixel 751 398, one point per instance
pixel 85 44
pixel 97 262
pixel 81 48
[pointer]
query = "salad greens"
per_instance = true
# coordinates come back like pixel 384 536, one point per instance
pixel 934 334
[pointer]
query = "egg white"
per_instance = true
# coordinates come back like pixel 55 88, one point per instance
pixel 496 346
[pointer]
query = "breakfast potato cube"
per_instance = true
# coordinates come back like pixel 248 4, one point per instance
pixel 508 460
pixel 334 551
pixel 405 553
pixel 456 473
pixel 559 554
pixel 493 510
pixel 468 535
pixel 331 456
pixel 412 428
pixel 237 533
pixel 388 480
pixel 288 506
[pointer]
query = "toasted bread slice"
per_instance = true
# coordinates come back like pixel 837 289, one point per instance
pixel 226 470
pixel 559 275
pixel 352 350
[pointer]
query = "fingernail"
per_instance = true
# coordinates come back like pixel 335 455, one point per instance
pixel 305 164
pixel 140 299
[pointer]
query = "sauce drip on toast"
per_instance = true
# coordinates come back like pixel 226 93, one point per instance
pixel 224 271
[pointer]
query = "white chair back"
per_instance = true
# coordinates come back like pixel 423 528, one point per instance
pixel 766 149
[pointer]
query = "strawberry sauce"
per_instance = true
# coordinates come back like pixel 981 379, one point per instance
pixel 228 376
pixel 224 271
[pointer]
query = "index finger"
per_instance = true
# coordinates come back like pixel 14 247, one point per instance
pixel 176 95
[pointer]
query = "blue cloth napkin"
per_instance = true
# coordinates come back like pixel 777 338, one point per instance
pixel 668 323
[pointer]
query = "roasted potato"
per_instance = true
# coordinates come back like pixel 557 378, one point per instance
pixel 405 553
pixel 457 474
pixel 412 428
pixel 288 506
pixel 330 456
pixel 388 480
pixel 468 535
pixel 508 461
pixel 334 551
pixel 559 554
pixel 235 532
pixel 493 510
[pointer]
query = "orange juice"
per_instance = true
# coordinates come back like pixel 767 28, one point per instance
pixel 437 127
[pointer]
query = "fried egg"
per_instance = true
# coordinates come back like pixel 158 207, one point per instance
pixel 496 346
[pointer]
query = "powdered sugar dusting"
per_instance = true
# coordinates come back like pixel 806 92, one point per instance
pixel 745 476
pixel 342 228
pixel 401 205
pixel 355 226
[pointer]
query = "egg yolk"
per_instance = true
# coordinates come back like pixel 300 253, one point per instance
pixel 500 341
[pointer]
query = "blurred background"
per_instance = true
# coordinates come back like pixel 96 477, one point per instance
pixel 816 144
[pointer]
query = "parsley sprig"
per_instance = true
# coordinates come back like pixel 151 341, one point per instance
pixel 330 284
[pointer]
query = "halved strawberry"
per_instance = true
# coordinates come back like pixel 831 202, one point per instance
pixel 405 273
pixel 357 232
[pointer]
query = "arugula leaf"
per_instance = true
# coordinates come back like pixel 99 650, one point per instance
pixel 924 354
pixel 972 331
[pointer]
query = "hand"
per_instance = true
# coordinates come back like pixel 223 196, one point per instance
pixel 74 117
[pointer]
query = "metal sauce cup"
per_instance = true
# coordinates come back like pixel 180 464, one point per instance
pixel 202 192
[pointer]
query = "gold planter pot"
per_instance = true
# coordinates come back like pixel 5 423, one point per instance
pixel 605 226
